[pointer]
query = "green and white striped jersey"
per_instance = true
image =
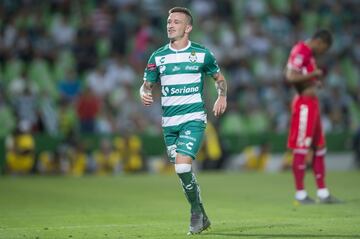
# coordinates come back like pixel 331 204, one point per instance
pixel 181 74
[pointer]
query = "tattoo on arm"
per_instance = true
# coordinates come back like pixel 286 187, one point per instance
pixel 221 87
pixel 146 88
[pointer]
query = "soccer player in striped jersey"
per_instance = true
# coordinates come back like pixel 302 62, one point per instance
pixel 306 137
pixel 180 67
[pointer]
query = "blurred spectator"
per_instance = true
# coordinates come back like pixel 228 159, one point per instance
pixel 99 82
pixel 118 36
pixel 210 153
pixel 120 72
pixel 62 32
pixel 26 108
pixel 277 26
pixel 10 33
pixel 7 119
pixel 56 46
pixel 78 159
pixel 101 19
pixel 258 42
pixel 133 160
pixel 18 85
pixel 105 122
pixel 88 106
pixel 130 117
pixel 68 119
pixel 20 155
pixel 70 86
pixel 257 157
pixel 84 48
pixel 48 114
pixel 43 45
pixel 53 162
pixel 143 38
pixel 337 108
pixel 23 48
pixel 55 36
pixel 253 158
pixel 356 148
pixel 108 160
pixel 203 9
pixel 255 8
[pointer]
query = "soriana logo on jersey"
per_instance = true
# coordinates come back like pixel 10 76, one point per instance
pixel 173 91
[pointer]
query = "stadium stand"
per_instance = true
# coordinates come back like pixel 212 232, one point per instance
pixel 50 50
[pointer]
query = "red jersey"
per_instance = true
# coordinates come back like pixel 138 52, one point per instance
pixel 302 60
pixel 305 124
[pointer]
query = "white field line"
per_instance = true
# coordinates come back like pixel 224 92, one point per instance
pixel 77 226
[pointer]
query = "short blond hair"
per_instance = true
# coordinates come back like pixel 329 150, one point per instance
pixel 184 10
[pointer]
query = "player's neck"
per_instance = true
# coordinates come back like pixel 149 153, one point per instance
pixel 179 44
pixel 310 44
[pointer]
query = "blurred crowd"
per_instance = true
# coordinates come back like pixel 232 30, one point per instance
pixel 72 67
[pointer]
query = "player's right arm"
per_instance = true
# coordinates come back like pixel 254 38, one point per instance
pixel 151 76
pixel 294 76
pixel 297 63
pixel 146 93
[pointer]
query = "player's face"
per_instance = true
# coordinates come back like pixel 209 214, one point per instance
pixel 177 26
pixel 322 47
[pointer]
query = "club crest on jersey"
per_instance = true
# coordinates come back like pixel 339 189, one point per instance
pixel 192 57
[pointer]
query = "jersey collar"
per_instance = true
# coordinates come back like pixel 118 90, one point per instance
pixel 183 49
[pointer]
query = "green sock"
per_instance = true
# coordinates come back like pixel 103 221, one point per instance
pixel 202 209
pixel 191 190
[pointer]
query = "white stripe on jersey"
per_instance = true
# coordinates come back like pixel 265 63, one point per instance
pixel 320 152
pixel 300 151
pixel 180 100
pixel 180 119
pixel 180 79
pixel 179 58
pixel 303 122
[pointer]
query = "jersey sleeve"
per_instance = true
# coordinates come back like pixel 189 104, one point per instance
pixel 210 65
pixel 151 72
pixel 297 59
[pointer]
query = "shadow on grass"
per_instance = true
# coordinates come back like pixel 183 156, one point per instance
pixel 242 233
pixel 272 235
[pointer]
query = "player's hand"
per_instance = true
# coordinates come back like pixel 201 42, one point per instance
pixel 318 73
pixel 146 99
pixel 220 106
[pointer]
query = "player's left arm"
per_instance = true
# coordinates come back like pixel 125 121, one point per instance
pixel 221 87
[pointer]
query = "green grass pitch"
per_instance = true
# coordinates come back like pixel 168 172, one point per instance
pixel 240 205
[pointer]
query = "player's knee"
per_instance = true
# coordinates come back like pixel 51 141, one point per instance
pixel 182 168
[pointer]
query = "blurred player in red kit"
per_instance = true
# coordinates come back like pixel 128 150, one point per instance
pixel 306 137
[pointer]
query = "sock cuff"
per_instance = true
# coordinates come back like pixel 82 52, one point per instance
pixel 323 192
pixel 182 168
pixel 300 194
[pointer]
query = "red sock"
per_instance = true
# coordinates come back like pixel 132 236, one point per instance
pixel 319 168
pixel 298 168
